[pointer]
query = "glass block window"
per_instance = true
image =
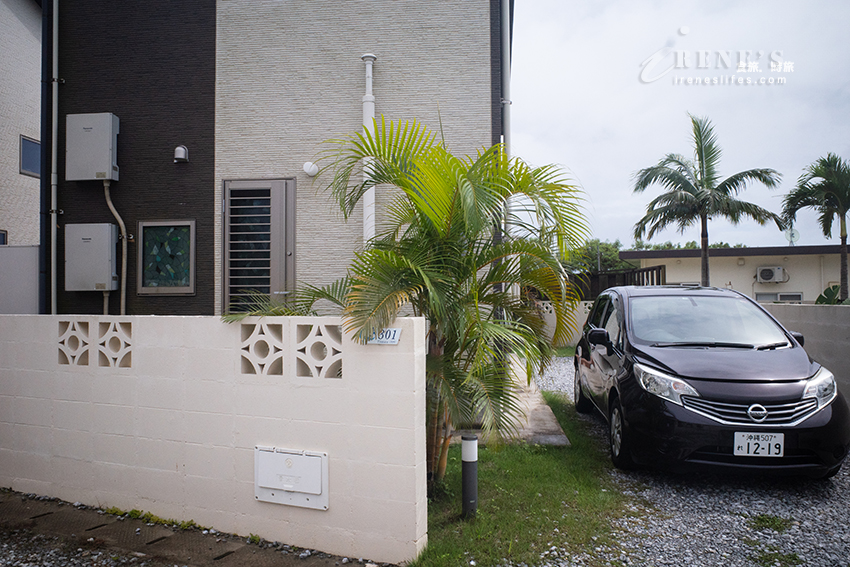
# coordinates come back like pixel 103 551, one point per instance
pixel 166 258
pixel 30 157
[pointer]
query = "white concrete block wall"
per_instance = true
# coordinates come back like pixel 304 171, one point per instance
pixel 174 432
pixel 289 76
pixel 20 104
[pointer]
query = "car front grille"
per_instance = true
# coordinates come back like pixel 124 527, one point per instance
pixel 790 413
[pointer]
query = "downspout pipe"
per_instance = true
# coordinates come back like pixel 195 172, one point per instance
pixel 368 121
pixel 506 12
pixel 44 218
pixel 54 162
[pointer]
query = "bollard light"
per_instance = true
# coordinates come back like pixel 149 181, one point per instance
pixel 469 473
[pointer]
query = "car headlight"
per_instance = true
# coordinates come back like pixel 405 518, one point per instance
pixel 821 387
pixel 662 385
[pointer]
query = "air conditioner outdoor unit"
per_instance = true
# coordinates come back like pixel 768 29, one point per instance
pixel 770 274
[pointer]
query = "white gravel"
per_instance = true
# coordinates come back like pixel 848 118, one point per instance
pixel 709 520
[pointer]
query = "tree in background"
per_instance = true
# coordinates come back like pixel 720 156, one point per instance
pixel 694 192
pixel 596 256
pixel 824 187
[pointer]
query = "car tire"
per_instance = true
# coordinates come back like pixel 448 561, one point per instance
pixel 583 404
pixel 618 438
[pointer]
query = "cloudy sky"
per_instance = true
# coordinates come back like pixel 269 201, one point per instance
pixel 585 97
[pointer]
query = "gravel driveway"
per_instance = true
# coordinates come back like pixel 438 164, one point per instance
pixel 710 520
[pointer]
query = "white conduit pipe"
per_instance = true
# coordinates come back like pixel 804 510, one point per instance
pixel 368 121
pixel 123 246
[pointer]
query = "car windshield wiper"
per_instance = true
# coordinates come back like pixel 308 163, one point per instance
pixel 771 346
pixel 704 344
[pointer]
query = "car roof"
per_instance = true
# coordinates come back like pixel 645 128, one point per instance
pixel 672 290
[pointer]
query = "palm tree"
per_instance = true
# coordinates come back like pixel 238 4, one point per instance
pixel 436 257
pixel 695 193
pixel 824 187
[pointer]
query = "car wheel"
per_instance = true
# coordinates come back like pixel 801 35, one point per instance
pixel 618 438
pixel 583 404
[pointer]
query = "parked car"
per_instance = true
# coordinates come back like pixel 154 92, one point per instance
pixel 691 377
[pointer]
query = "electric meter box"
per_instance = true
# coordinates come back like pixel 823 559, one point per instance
pixel 90 257
pixel 291 477
pixel 91 147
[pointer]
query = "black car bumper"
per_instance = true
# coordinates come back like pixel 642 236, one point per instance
pixel 665 435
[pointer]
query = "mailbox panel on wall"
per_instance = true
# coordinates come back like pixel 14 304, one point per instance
pixel 90 257
pixel 287 476
pixel 91 147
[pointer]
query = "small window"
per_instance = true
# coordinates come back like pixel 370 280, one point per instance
pixel 4 238
pixel 166 263
pixel 767 297
pixel 30 157
pixel 791 297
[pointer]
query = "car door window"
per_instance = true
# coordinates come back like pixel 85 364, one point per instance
pixel 612 324
pixel 596 317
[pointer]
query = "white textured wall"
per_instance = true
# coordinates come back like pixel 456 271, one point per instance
pixel 20 103
pixel 826 329
pixel 169 425
pixel 807 274
pixel 289 76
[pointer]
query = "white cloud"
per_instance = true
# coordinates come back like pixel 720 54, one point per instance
pixel 578 100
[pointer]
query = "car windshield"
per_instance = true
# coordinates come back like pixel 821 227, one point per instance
pixel 699 320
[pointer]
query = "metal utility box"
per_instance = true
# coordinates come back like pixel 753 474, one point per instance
pixel 91 147
pixel 90 257
pixel 287 476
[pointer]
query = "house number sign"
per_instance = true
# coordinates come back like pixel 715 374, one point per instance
pixel 385 337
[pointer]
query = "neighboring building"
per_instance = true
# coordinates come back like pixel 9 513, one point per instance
pixel 20 103
pixel 251 89
pixel 796 274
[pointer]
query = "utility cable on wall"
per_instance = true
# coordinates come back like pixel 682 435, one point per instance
pixel 123 229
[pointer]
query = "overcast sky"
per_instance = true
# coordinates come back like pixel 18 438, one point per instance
pixel 585 97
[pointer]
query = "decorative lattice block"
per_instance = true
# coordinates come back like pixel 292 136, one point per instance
pixel 262 349
pixel 115 345
pixel 318 351
pixel 74 343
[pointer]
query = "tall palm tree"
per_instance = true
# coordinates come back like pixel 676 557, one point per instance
pixel 824 187
pixel 436 257
pixel 695 193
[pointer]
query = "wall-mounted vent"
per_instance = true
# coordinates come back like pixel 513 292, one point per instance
pixel 770 274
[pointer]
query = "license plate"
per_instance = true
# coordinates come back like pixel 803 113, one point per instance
pixel 759 444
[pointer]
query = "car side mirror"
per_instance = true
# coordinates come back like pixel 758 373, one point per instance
pixel 600 337
pixel 798 337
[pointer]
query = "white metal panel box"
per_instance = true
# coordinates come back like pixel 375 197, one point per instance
pixel 91 147
pixel 287 476
pixel 90 257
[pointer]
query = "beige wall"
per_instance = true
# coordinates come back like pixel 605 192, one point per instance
pixel 157 413
pixel 289 76
pixel 806 274
pixel 20 103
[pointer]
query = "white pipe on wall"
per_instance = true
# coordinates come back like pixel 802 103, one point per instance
pixel 506 75
pixel 368 121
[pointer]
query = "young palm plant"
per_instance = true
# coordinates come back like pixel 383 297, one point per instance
pixel 695 192
pixel 825 187
pixel 441 254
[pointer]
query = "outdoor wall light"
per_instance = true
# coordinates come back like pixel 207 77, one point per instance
pixel 181 154
pixel 311 169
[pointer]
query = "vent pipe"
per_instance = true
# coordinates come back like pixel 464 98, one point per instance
pixel 368 122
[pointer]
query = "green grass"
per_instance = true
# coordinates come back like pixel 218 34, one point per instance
pixel 770 522
pixel 530 498
pixel 566 351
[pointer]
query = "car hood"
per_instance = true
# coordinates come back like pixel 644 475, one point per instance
pixel 730 364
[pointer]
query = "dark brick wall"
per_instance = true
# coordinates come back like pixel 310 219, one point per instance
pixel 496 68
pixel 152 64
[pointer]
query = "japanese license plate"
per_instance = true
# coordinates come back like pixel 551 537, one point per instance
pixel 759 444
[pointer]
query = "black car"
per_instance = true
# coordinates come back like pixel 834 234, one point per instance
pixel 691 377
